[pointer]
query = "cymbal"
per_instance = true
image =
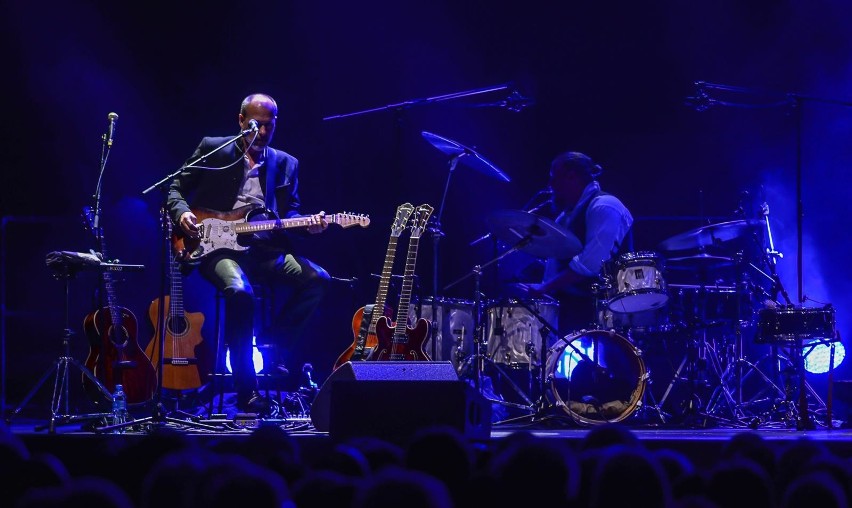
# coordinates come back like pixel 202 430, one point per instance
pixel 701 261
pixel 540 236
pixel 467 156
pixel 707 236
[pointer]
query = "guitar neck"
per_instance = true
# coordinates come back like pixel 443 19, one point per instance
pixel 273 224
pixel 109 288
pixel 175 288
pixel 384 282
pixel 407 285
pixel 111 302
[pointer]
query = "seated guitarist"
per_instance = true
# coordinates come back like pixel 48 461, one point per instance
pixel 250 172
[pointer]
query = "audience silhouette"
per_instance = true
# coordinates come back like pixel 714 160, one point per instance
pixel 436 468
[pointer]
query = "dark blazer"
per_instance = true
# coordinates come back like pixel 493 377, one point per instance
pixel 217 189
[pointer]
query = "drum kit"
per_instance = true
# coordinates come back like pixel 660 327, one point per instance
pixel 669 342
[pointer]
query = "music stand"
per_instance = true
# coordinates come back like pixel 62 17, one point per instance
pixel 65 266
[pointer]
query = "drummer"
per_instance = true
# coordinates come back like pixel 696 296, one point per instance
pixel 602 224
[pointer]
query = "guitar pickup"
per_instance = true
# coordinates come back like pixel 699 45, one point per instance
pixel 125 364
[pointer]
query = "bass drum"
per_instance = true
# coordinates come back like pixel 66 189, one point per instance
pixel 596 376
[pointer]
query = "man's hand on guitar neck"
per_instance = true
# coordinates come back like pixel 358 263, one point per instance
pixel 318 223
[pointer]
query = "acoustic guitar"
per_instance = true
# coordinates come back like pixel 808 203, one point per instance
pixel 365 319
pixel 400 342
pixel 182 334
pixel 114 354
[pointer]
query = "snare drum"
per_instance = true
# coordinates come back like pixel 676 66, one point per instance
pixel 639 284
pixel 596 376
pixel 514 333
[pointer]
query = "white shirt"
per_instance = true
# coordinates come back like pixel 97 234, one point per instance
pixel 250 190
pixel 607 222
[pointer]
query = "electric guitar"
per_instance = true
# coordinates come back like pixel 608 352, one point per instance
pixel 363 329
pixel 401 342
pixel 182 334
pixel 114 354
pixel 221 230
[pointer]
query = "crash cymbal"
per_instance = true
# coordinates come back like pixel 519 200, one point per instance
pixel 466 156
pixel 539 236
pixel 701 261
pixel 708 236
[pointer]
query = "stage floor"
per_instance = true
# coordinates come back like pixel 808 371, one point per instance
pixel 73 442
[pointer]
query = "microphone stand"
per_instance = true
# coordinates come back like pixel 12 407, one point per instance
pixel 797 103
pixel 160 416
pixel 422 102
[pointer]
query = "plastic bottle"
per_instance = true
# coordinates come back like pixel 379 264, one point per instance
pixel 119 408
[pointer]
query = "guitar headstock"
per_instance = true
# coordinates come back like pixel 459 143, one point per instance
pixel 346 220
pixel 419 220
pixel 403 212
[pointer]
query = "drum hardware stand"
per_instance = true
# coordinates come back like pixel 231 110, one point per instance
pixel 65 271
pixel 479 358
pixel 545 330
pixel 657 407
pixel 699 356
pixel 734 367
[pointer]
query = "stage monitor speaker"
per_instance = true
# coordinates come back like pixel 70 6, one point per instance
pixel 394 399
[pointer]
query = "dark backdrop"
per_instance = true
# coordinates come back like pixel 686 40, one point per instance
pixel 608 79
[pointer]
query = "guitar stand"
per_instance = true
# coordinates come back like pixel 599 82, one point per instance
pixel 160 416
pixel 59 404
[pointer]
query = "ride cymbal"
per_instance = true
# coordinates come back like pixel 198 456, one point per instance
pixel 465 155
pixel 708 236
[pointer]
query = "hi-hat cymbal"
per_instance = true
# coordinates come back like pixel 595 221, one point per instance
pixel 701 261
pixel 709 236
pixel 467 156
pixel 538 236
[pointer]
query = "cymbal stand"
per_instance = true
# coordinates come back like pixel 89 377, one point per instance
pixel 437 234
pixel 59 403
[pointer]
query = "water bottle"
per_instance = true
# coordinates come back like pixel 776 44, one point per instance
pixel 119 408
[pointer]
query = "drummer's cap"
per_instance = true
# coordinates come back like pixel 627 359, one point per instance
pixel 578 162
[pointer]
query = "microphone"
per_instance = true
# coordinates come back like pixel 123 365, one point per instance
pixel 253 127
pixel 544 192
pixel 701 101
pixel 516 102
pixel 111 129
